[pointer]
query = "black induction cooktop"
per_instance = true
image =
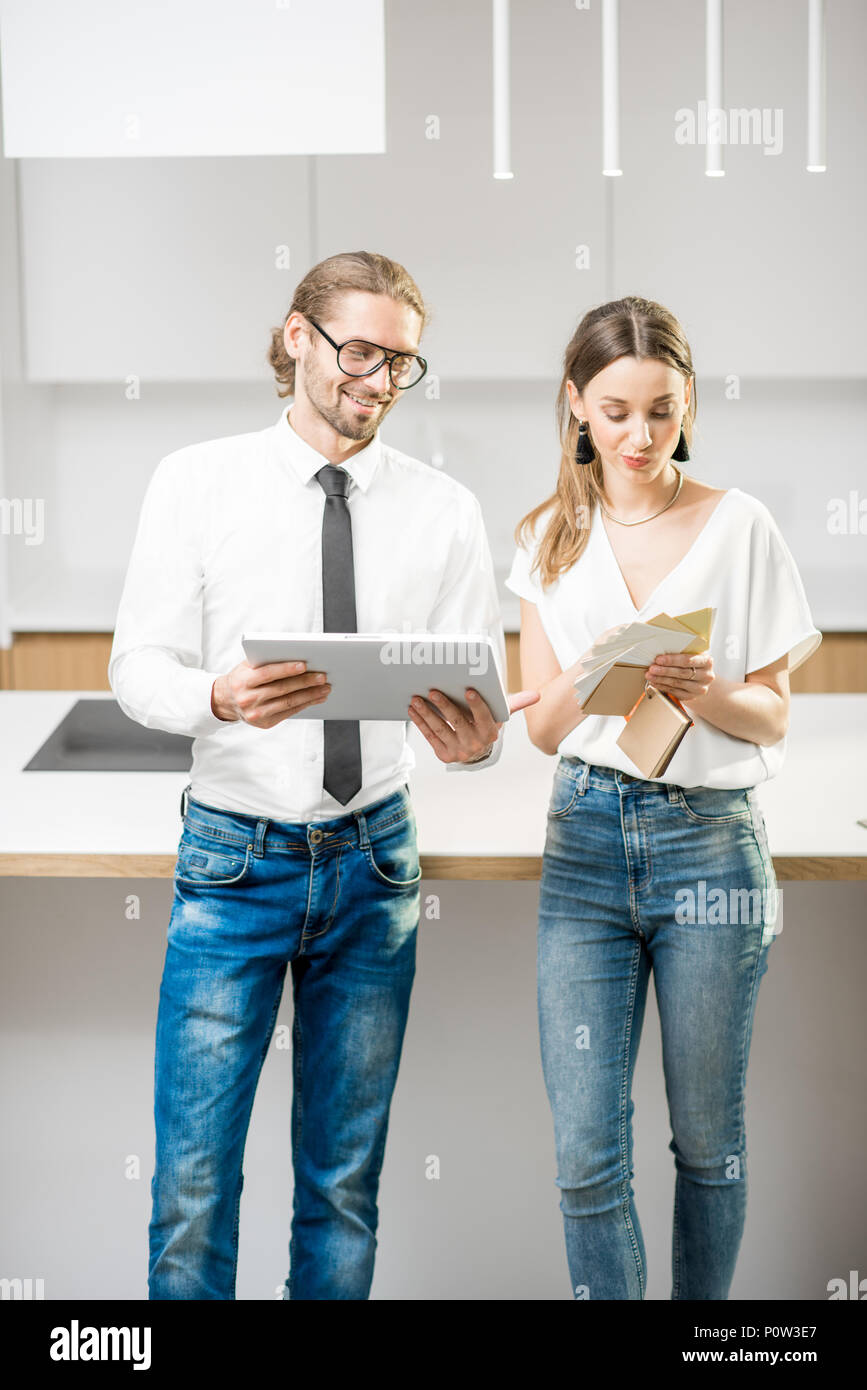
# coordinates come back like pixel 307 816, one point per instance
pixel 96 736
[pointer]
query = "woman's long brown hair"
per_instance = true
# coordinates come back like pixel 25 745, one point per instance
pixel 628 327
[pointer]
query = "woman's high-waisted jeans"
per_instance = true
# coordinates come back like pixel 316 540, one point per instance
pixel 636 876
pixel 339 901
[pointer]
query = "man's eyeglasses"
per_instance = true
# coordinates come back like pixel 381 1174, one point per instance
pixel 357 357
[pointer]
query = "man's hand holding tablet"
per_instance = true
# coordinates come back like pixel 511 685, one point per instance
pixel 266 695
pixel 456 737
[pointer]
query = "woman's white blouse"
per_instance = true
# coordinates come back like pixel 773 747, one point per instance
pixel 738 564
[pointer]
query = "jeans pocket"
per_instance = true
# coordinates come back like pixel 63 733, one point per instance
pixel 392 854
pixel 714 805
pixel 564 791
pixel 202 863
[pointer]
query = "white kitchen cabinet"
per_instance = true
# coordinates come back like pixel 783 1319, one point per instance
pixel 759 265
pixel 160 269
pixel 495 259
pixel 167 268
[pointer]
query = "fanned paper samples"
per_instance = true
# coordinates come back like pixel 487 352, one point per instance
pixel 613 681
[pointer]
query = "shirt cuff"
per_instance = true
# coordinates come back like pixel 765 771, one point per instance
pixel 156 691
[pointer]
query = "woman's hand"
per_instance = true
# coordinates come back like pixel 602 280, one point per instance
pixel 685 677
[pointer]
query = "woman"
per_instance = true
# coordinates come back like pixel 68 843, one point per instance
pixel 630 863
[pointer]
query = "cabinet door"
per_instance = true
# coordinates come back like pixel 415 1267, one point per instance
pixel 762 266
pixel 495 259
pixel 59 661
pixel 166 269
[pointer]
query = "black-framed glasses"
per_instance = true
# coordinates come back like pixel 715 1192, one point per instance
pixel 357 357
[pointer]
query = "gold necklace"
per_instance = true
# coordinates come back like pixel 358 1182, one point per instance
pixel 642 519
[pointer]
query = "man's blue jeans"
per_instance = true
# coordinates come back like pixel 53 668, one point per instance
pixel 640 876
pixel 339 901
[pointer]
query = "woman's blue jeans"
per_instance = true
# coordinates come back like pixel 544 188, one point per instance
pixel 339 900
pixel 636 876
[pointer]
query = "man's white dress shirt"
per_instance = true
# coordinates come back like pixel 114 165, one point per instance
pixel 230 540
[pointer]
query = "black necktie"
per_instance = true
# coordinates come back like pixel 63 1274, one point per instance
pixel 342 775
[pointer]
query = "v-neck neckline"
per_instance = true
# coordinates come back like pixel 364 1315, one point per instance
pixel 664 580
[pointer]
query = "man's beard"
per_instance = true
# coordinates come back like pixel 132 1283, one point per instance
pixel 341 417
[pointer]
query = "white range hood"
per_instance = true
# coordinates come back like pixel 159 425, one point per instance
pixel 192 77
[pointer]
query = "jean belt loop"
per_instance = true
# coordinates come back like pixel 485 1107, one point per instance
pixel 583 774
pixel 261 831
pixel 361 822
pixel 672 792
pixel 185 796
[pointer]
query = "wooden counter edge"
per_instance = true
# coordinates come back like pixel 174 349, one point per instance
pixel 788 868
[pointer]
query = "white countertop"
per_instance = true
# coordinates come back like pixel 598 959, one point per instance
pixel 811 808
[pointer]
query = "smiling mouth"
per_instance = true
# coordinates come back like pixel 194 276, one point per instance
pixel 363 400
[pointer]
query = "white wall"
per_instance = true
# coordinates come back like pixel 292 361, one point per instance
pixel 796 445
pixel 763 266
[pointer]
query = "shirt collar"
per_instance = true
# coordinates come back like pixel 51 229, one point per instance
pixel 305 461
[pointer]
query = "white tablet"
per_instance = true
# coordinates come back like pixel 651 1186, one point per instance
pixel 375 675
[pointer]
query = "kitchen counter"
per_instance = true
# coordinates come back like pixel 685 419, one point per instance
pixel 477 825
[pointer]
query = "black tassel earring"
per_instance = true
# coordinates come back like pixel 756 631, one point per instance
pixel 681 453
pixel 584 453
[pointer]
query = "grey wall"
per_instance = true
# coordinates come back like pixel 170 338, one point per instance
pixel 78 996
pixel 794 444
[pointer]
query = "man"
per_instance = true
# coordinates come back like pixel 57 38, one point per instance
pixel 299 841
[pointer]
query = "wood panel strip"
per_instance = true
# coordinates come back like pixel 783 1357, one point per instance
pixel 838 667
pixel 79 661
pixel 479 868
